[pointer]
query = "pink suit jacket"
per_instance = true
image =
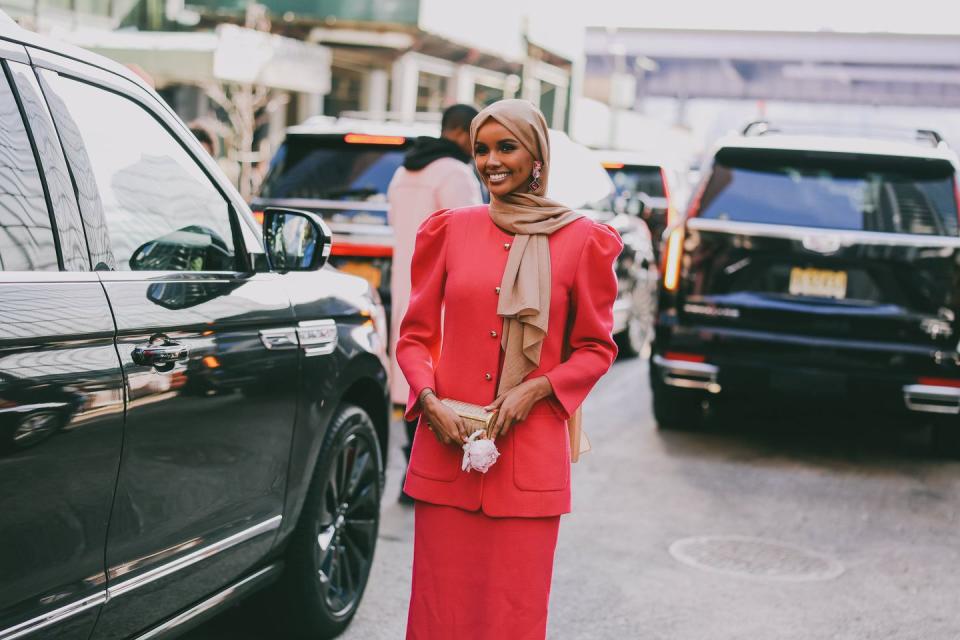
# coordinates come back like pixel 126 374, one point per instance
pixel 450 341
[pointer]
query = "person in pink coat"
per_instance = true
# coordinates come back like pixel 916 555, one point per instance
pixel 511 307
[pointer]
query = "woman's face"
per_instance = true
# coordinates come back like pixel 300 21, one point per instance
pixel 504 164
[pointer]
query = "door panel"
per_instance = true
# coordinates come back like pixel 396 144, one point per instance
pixel 208 441
pixel 61 429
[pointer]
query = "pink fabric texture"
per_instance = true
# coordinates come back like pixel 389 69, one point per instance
pixel 457 267
pixel 480 578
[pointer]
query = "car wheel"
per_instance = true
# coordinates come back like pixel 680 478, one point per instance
pixel 34 428
pixel 331 552
pixel 631 341
pixel 677 409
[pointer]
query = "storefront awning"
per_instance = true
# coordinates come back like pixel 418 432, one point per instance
pixel 229 54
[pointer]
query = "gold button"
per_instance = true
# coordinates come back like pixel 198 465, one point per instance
pixel 493 334
pixel 506 246
pixel 488 376
pixel 497 290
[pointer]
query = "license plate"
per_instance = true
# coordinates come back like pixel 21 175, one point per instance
pixel 818 283
pixel 365 270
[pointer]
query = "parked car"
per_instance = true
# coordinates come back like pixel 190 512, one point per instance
pixel 340 169
pixel 191 407
pixel 817 268
pixel 645 186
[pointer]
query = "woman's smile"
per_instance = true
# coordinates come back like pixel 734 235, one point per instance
pixel 504 164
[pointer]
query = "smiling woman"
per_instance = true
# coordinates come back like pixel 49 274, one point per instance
pixel 503 163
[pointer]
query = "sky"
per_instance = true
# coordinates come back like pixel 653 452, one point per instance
pixel 913 16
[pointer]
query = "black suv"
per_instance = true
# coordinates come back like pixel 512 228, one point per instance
pixel 814 267
pixel 191 409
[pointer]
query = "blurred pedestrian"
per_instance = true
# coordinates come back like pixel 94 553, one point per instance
pixel 437 173
pixel 511 307
pixel 205 137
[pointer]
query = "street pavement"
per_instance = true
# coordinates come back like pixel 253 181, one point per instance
pixel 808 528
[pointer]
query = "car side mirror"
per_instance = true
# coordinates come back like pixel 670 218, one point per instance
pixel 295 240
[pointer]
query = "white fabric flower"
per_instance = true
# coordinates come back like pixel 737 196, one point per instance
pixel 479 453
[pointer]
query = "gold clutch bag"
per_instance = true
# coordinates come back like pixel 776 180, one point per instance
pixel 473 414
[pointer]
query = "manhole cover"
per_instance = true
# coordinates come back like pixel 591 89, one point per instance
pixel 755 558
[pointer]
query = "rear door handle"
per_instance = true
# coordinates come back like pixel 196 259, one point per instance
pixel 160 351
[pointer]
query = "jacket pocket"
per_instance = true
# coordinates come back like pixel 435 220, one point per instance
pixel 431 459
pixel 541 456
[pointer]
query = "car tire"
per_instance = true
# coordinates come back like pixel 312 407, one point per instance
pixel 330 554
pixel 677 409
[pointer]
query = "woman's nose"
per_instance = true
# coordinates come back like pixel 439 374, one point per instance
pixel 493 159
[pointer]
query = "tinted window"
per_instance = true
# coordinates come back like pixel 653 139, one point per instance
pixel 835 191
pixel 26 235
pixel 629 182
pixel 161 210
pixel 327 168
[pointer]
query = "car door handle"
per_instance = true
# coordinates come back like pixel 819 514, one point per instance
pixel 161 350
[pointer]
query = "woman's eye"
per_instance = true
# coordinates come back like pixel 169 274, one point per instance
pixel 506 148
pixel 480 150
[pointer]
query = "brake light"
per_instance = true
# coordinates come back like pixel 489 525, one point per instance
pixel 211 362
pixel 685 357
pixel 956 195
pixel 671 211
pixel 362 250
pixel 258 216
pixel 671 261
pixel 612 165
pixel 362 138
pixel 939 382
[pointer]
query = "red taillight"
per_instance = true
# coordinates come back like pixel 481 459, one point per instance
pixel 672 258
pixel 362 250
pixel 363 138
pixel 612 165
pixel 956 195
pixel 939 382
pixel 685 357
pixel 258 216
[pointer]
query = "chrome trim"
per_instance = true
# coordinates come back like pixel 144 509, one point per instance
pixel 52 617
pixel 191 558
pixel 318 337
pixel 285 338
pixel 209 605
pixel 932 399
pixel 688 375
pixel 843 237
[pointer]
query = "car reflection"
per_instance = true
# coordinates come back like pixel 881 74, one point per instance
pixel 31 412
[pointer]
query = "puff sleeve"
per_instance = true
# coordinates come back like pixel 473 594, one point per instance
pixel 591 345
pixel 418 345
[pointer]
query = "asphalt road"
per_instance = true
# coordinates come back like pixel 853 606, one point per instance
pixel 808 528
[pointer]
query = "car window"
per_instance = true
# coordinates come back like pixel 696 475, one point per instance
pixel 631 183
pixel 26 234
pixel 833 191
pixel 327 168
pixel 162 212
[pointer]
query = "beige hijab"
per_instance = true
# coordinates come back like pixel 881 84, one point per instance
pixel 525 289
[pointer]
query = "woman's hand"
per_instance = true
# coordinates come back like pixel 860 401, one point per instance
pixel 515 405
pixel 443 421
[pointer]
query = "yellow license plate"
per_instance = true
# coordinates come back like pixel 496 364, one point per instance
pixel 365 270
pixel 818 283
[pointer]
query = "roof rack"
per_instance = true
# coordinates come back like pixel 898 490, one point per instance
pixel 765 127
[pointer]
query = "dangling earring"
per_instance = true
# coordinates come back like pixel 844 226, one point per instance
pixel 535 183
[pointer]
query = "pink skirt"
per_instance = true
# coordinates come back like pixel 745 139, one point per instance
pixel 480 578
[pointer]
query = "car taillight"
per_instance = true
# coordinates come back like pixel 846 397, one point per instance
pixel 685 357
pixel 671 211
pixel 258 216
pixel 956 195
pixel 939 382
pixel 362 250
pixel 363 138
pixel 672 258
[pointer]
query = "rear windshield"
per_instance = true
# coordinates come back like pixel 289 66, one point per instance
pixel 630 181
pixel 833 191
pixel 325 167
